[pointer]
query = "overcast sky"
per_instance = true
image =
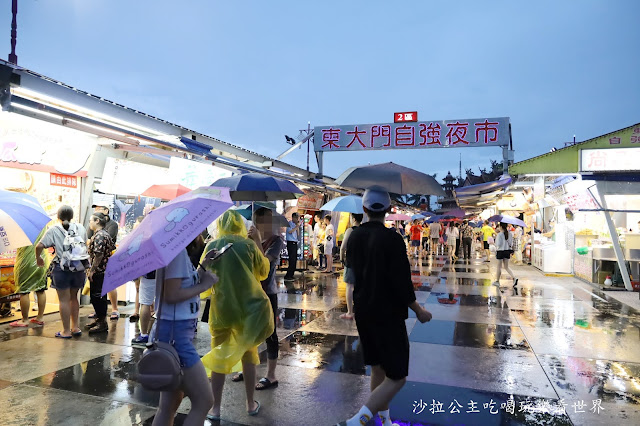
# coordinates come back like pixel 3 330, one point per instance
pixel 249 72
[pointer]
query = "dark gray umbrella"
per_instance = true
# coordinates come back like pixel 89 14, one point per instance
pixel 391 177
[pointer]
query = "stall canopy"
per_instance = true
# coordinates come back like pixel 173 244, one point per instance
pixel 34 95
pixel 477 196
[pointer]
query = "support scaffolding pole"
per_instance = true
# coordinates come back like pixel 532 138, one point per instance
pixel 614 238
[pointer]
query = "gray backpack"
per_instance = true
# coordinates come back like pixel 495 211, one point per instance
pixel 74 250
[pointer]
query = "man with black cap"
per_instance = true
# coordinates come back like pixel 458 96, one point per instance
pixel 112 229
pixel 382 293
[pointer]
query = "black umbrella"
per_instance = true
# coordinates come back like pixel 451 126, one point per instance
pixel 392 178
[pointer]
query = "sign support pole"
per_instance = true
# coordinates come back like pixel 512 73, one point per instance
pixel 320 157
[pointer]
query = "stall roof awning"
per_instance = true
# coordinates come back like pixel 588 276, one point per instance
pixel 481 195
pixel 567 160
pixel 483 188
pixel 38 96
pixel 196 146
pixel 44 92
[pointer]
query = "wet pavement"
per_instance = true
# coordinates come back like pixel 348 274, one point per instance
pixel 551 351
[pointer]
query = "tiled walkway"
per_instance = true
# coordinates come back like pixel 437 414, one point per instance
pixel 486 358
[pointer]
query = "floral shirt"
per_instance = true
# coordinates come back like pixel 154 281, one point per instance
pixel 100 244
pixel 467 231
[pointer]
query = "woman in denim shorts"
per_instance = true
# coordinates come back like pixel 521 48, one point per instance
pixel 178 310
pixel 66 281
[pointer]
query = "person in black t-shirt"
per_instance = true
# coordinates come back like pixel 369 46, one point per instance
pixel 382 292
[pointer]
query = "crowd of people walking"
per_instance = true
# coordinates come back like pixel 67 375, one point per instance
pixel 239 291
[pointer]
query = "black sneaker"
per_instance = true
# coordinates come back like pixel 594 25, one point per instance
pixel 100 327
pixel 91 324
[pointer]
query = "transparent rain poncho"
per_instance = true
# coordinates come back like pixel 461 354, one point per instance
pixel 240 316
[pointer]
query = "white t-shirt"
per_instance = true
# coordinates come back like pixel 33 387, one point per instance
pixel 434 228
pixel 503 243
pixel 452 235
pixel 316 233
pixel 329 242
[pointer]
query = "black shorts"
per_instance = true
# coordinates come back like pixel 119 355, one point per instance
pixel 503 254
pixel 486 245
pixel 386 345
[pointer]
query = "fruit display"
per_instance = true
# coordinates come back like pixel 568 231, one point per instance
pixel 7 282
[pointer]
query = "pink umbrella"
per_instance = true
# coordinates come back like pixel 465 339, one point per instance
pixel 397 216
pixel 165 192
pixel 163 234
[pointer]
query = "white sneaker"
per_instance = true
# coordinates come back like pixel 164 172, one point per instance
pixel 496 283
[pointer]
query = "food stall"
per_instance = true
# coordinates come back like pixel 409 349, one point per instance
pixel 55 177
pixel 598 185
pixel 595 258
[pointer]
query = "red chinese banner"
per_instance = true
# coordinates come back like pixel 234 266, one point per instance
pixel 63 180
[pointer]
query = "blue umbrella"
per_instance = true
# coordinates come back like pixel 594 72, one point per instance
pixel 435 218
pixel 348 204
pixel 258 187
pixel 21 220
pixel 507 219
pixel 418 216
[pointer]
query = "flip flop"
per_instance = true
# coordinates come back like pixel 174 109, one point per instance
pixel 93 315
pixel 256 411
pixel 346 316
pixel 76 333
pixel 61 336
pixel 264 384
pixel 35 321
pixel 115 316
pixel 18 324
pixel 213 418
pixel 238 378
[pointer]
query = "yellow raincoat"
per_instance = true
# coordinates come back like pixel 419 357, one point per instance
pixel 240 317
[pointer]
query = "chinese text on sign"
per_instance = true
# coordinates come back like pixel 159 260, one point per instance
pixel 422 134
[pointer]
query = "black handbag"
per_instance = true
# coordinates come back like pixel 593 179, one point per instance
pixel 159 368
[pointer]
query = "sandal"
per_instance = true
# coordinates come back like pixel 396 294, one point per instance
pixel 76 333
pixel 264 384
pixel 18 324
pixel 115 316
pixel 91 316
pixel 213 418
pixel 254 412
pixel 35 321
pixel 238 378
pixel 346 316
pixel 62 336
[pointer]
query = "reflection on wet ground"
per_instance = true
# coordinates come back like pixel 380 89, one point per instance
pixel 331 352
pixel 552 351
pixel 497 336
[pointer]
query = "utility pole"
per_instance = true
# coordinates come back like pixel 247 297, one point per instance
pixel 14 32
pixel 308 143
